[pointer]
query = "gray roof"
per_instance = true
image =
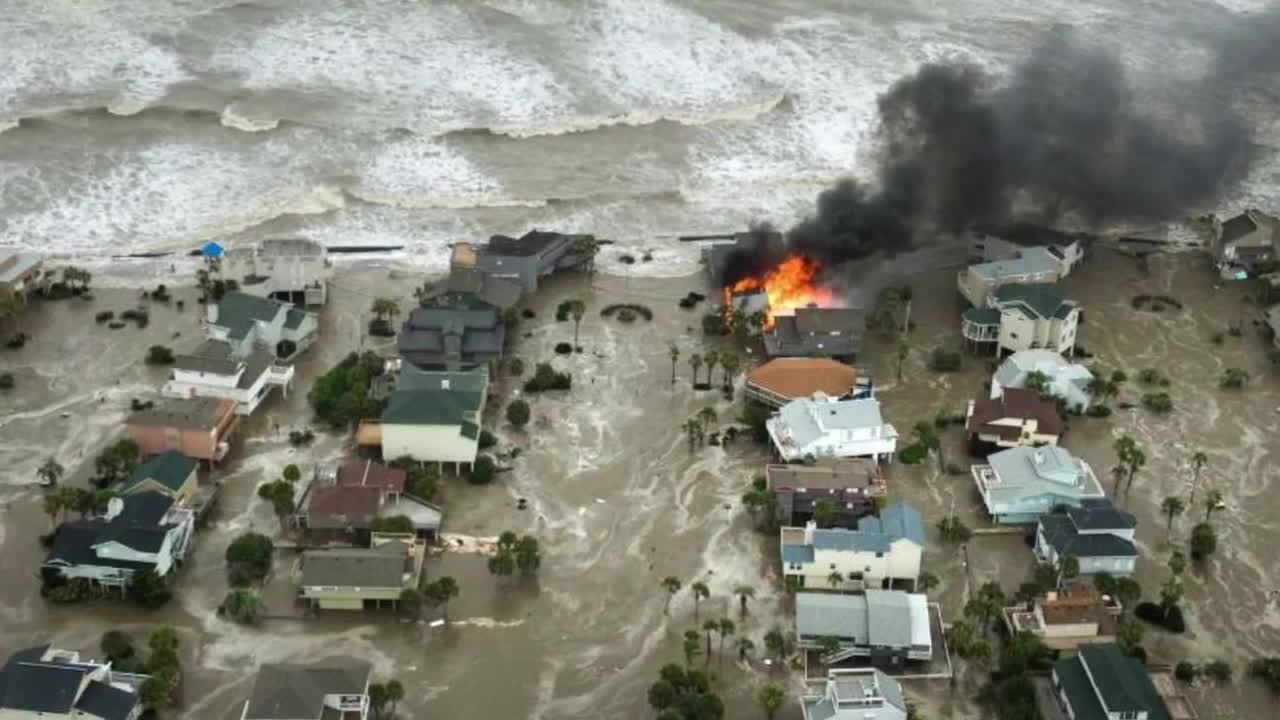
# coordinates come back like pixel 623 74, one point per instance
pixel 238 312
pixel 1100 514
pixel 497 291
pixel 106 701
pixel 293 319
pixel 1032 261
pixel 1066 539
pixel 843 414
pixel 808 332
pixel 291 692
pixel 476 323
pixel 414 378
pixel 534 242
pixel 1237 227
pixel 14 265
pixel 381 567
pixel 210 356
pixel 1015 367
pixel 254 366
pixel 191 413
pixel 827 320
pixel 874 534
pixel 878 617
pixel 1025 472
pixel 898 520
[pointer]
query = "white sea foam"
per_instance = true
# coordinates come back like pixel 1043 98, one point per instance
pixel 420 172
pixel 233 117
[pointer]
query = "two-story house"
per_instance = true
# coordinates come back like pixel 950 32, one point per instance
pixel 51 684
pixel 212 370
pixel 882 550
pixel 357 578
pixel 816 332
pixel 853 694
pixel 335 689
pixel 170 473
pixel 1098 534
pixel 1022 317
pixel 886 626
pixel 350 498
pixel 201 428
pixel 463 336
pixel 978 283
pixel 821 427
pixel 295 270
pixel 1014 419
pixel 1064 619
pixel 144 531
pixel 433 417
pixel 1102 682
pixel 1245 244
pixel 524 260
pixel 246 322
pixel 1066 380
pixel 853 487
pixel 1020 484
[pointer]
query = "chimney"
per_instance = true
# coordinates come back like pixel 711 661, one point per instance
pixel 115 506
pixel 809 527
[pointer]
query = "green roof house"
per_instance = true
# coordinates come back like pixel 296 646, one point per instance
pixel 1023 317
pixel 1102 683
pixel 434 416
pixel 170 473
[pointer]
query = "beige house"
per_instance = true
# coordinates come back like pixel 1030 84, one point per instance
pixel 356 578
pixel 1023 317
pixel 882 550
pixel 170 473
pixel 432 417
pixel 1017 418
pixel 1067 618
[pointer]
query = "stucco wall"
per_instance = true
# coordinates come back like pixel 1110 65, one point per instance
pixel 428 443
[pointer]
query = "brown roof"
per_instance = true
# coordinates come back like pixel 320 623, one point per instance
pixel 1015 403
pixel 337 505
pixel 802 377
pixel 189 413
pixel 1077 603
pixel 827 475
pixel 371 474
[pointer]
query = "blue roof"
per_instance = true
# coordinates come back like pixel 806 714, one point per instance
pixel 898 520
pixel 874 534
pixel 211 249
pixel 797 554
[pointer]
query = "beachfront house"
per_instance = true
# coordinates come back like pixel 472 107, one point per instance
pixel 1016 418
pixel 1064 619
pixel 1020 484
pixel 994 263
pixel 823 427
pixel 879 552
pixel 434 416
pixel 1101 682
pixel 782 380
pixel 816 332
pixel 19 272
pixel 359 578
pixel 144 531
pixel 1066 380
pixel 333 689
pixel 212 370
pixel 201 428
pixel 853 694
pixel 854 488
pixel 295 270
pixel 246 322
pixel 52 684
pixel 1098 534
pixel 466 283
pixel 170 473
pixel 349 498
pixel 1245 245
pixel 524 260
pixel 1022 317
pixel 464 336
pixel 888 627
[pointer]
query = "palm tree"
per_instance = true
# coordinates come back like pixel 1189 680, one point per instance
pixel 395 693
pixel 730 363
pixel 776 643
pixel 770 697
pixel 824 511
pixel 744 592
pixel 928 438
pixel 726 628
pixel 424 294
pixel 586 246
pixel 1198 461
pixel 692 646
pixel 695 362
pixel 52 506
pixel 903 351
pixel 1212 500
pixel 440 592
pixel 711 358
pixel 700 592
pixel 1097 388
pixel 745 648
pixel 672 585
pixel 710 626
pixel 693 427
pixel 1068 568
pixel 675 357
pixel 1117 473
pixel 384 307
pixel 50 472
pixel 707 414
pixel 577 309
pixel 1136 460
pixel 926 582
pixel 1177 562
pixel 1172 507
pixel 835 580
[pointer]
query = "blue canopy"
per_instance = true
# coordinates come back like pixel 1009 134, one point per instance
pixel 212 249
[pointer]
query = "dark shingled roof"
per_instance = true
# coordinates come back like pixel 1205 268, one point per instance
pixel 1100 514
pixel 381 567
pixel 1062 534
pixel 137 527
pixel 1122 682
pixel 30 685
pixel 106 701
pixel 238 311
pixel 1014 403
pixel 289 692
pixel 1237 227
pixel 210 356
pixel 534 242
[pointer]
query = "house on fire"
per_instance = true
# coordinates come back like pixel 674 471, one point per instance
pixel 816 332
pixel 1022 317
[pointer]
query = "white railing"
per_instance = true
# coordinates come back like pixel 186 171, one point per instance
pixel 280 374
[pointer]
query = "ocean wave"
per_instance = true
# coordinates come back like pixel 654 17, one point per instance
pixel 232 118
pixel 692 117
pixel 7 124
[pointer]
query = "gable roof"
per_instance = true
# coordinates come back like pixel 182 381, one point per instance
pixel 238 312
pixel 802 377
pixel 199 413
pixel 877 617
pixel 381 567
pixel 534 242
pixel 473 324
pixel 435 407
pixel 874 534
pixel 1122 682
pixel 466 281
pixel 29 684
pixel 1062 534
pixel 1028 472
pixel 210 356
pixel 106 701
pixel 290 692
pixel 343 506
pixel 827 320
pixel 1015 403
pixel 371 474
pixel 1100 514
pixel 170 468
pixel 1237 227
pixel 1043 301
pixel 137 526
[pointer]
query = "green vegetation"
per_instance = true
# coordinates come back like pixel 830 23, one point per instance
pixel 1011 694
pixel 397 524
pixel 384 311
pixel 438 594
pixel 1267 669
pixel 483 471
pixel 160 690
pixel 301 438
pixel 516 553
pixel 626 312
pixel 953 530
pixel 383 694
pixel 1233 379
pixel 761 504
pixel 770 697
pixel 280 494
pixel 117 461
pixel 1204 541
pixel 341 397
pixel 681 694
pixel 1218 671
pixel 1155 303
pixel 1151 376
pixel 421 480
pixel 149 589
pixel 6 381
pixel 1159 403
pixel 943 361
pixel 241 605
pixel 1186 671
pixel 518 413
pixel 249 558
pixel 159 355
pixel 545 378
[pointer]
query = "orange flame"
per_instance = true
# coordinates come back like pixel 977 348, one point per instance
pixel 788 286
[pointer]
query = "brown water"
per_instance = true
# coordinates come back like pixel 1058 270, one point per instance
pixel 618 501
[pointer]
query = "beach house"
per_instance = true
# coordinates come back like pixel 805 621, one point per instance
pixel 823 427
pixel 1065 379
pixel 881 551
pixel 1020 484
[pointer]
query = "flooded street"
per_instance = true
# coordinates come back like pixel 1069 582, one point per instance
pixel 618 500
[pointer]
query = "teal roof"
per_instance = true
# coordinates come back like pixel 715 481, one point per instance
pixel 170 468
pixel 1122 681
pixel 982 316
pixel 435 407
pixel 1043 300
pixel 1075 685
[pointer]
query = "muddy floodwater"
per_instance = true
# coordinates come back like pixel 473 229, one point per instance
pixel 619 501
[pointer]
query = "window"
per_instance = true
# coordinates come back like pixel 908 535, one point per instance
pixel 879 554
pixel 833 566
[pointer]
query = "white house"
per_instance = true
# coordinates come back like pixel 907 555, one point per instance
pixel 247 322
pixel 434 416
pixel 1067 380
pixel 51 684
pixel 1020 484
pixel 145 531
pixel 1023 317
pixel 211 370
pixel 1099 535
pixel 820 427
pixel 853 694
pixel 883 549
pixel 293 269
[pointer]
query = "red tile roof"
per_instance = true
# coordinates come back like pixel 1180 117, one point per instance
pixel 802 377
pixel 353 501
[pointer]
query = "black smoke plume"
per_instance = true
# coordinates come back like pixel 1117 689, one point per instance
pixel 1063 138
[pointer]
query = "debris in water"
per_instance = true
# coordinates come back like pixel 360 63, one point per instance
pixel 434 624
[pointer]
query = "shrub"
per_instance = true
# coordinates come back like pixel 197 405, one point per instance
pixel 301 438
pixel 241 605
pixel 1217 338
pixel 381 327
pixel 518 413
pixel 1149 376
pixel 394 524
pixel 139 317
pixel 1186 671
pixel 626 259
pixel 116 645
pixel 1266 669
pixel 291 473
pixel 249 557
pixel 626 315
pixel 159 355
pixel 545 377
pixel 564 310
pixel 341 396
pixel 943 361
pixel 912 454
pixel 1157 402
pixel 487 440
pixel 69 592
pixel 954 530
pixel 528 314
pixel 115 325
pixel 6 381
pixel 627 312
pixel 564 348
pixel 1154 614
pixel 138 405
pixel 104 316
pixel 483 471
pixel 1218 671
pixel 1098 411
pixel 515 366
pixel 1204 541
pixel 955 469
pixel 1233 379
pixel 149 589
